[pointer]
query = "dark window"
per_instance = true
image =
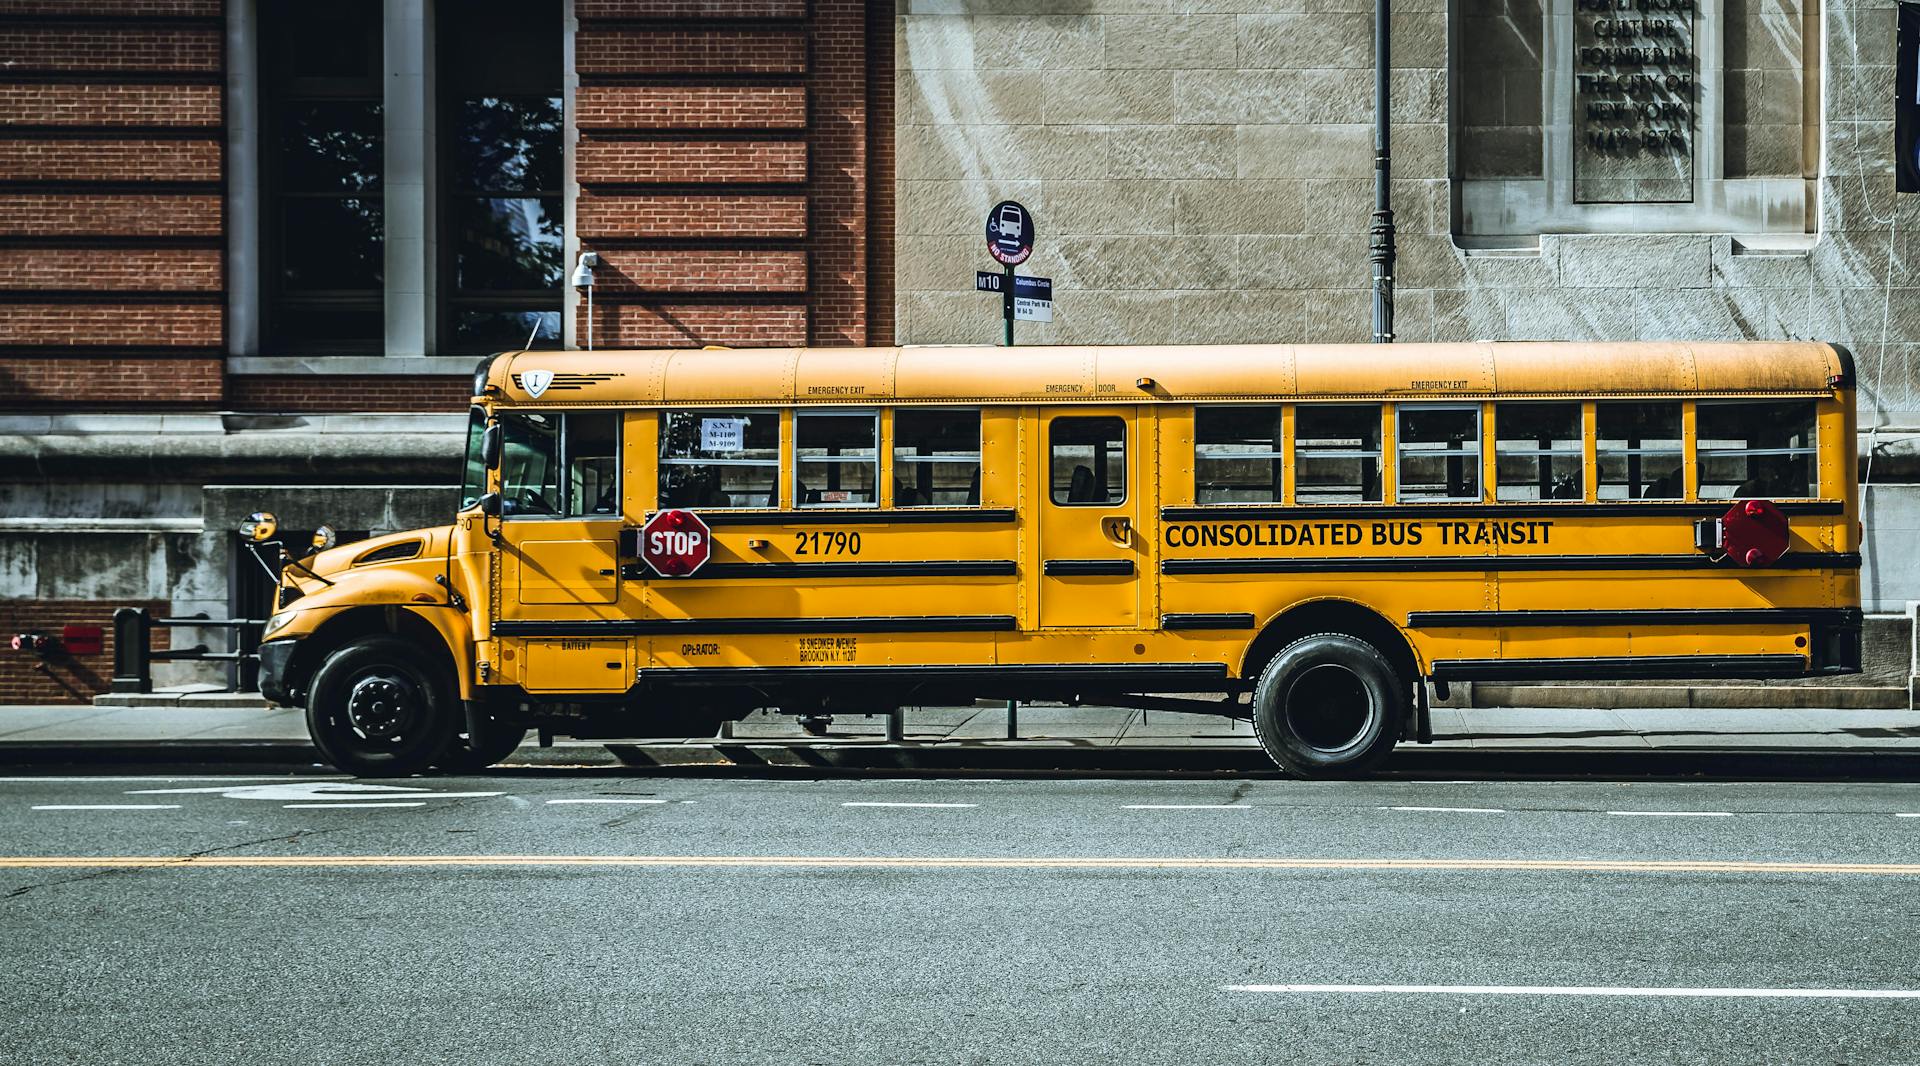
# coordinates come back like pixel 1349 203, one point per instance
pixel 1639 451
pixel 1439 452
pixel 936 458
pixel 837 457
pixel 501 229
pixel 1537 451
pixel 592 448
pixel 1755 450
pixel 1236 455
pixel 473 481
pixel 1336 453
pixel 1089 460
pixel 720 459
pixel 324 225
pixel 557 464
pixel 530 464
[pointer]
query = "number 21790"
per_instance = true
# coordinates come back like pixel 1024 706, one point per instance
pixel 832 542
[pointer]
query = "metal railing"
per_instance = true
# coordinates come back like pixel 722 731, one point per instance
pixel 133 654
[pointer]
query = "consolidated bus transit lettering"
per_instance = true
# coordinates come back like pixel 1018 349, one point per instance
pixel 1354 534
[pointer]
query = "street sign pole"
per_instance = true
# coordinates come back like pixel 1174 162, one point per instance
pixel 1010 241
pixel 1381 251
pixel 1006 304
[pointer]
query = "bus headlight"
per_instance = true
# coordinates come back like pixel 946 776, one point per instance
pixel 260 526
pixel 279 621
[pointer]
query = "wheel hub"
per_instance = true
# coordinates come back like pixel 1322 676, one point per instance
pixel 382 706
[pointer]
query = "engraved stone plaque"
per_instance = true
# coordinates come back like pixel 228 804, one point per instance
pixel 1634 101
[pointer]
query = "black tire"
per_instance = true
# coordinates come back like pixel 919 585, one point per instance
pixel 497 741
pixel 376 709
pixel 1329 705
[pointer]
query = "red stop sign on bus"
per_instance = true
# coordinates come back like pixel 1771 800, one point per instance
pixel 675 543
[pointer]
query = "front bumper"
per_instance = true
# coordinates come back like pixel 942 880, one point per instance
pixel 275 658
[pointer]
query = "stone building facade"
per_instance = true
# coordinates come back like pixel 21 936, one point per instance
pixel 250 248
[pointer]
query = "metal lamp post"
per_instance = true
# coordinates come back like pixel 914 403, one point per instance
pixel 1380 250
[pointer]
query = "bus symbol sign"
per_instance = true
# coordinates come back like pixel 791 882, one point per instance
pixel 676 543
pixel 1009 232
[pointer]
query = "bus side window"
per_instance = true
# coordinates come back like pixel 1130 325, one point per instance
pixel 936 458
pixel 1755 450
pixel 1536 451
pixel 836 459
pixel 592 447
pixel 1089 460
pixel 1439 452
pixel 719 458
pixel 1236 454
pixel 1640 451
pixel 1336 453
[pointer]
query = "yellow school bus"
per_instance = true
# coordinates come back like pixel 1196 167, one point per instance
pixel 1312 537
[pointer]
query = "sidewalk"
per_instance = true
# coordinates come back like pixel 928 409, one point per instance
pixel 951 736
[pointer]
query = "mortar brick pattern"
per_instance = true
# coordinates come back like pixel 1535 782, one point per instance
pixel 685 162
pixel 87 47
pixel 62 679
pixel 209 9
pixel 74 382
pixel 672 96
pixel 619 216
pixel 135 95
pixel 74 161
pixel 672 325
pixel 702 271
pixel 127 270
pixel 347 393
pixel 108 105
pixel 56 325
pixel 604 10
pixel 724 52
pixel 109 215
pixel 638 107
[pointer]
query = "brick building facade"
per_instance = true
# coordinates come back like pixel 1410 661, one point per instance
pixel 250 248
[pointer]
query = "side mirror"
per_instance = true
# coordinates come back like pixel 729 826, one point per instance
pixel 490 443
pixel 490 505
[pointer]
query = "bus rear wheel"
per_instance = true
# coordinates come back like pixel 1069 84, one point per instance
pixel 1328 705
pixel 375 710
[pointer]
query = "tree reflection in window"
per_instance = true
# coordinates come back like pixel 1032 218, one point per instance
pixel 503 229
pixel 323 158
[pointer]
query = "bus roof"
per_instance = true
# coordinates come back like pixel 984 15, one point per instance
pixel 1139 373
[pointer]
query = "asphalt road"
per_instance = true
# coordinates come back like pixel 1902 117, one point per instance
pixel 570 917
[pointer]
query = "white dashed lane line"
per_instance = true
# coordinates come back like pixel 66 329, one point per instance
pixel 876 804
pixel 1671 814
pixel 1590 990
pixel 1450 810
pixel 106 806
pixel 1187 807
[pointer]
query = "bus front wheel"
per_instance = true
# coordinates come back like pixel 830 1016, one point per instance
pixel 376 710
pixel 1328 705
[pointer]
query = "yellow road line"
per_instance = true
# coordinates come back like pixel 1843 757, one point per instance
pixel 956 862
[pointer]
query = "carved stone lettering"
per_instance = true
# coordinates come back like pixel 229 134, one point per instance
pixel 1635 92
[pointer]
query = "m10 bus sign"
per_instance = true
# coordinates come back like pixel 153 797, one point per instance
pixel 676 543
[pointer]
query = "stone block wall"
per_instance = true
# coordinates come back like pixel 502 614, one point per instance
pixel 1200 171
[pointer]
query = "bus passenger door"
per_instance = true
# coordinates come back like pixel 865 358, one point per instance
pixel 559 476
pixel 1091 546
